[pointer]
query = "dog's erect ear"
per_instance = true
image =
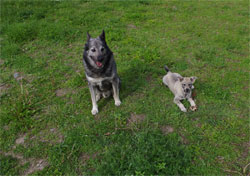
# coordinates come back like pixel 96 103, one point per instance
pixel 180 78
pixel 102 36
pixel 88 36
pixel 193 78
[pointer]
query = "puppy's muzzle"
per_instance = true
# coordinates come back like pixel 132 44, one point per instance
pixel 187 90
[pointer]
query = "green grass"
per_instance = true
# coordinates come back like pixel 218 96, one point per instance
pixel 49 104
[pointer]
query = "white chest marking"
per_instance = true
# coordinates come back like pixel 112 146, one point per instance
pixel 97 80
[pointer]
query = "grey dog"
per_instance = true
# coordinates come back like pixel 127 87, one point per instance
pixel 100 70
pixel 181 88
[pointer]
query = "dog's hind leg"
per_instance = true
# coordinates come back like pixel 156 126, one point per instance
pixel 179 104
pixel 98 95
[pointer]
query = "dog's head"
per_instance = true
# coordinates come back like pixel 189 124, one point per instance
pixel 187 83
pixel 97 51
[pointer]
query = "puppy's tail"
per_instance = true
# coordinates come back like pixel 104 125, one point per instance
pixel 166 68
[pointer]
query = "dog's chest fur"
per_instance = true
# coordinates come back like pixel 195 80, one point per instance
pixel 103 84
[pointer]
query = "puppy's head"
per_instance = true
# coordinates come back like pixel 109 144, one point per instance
pixel 187 83
pixel 97 50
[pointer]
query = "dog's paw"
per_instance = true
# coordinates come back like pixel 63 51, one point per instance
pixel 184 110
pixel 94 111
pixel 118 103
pixel 193 108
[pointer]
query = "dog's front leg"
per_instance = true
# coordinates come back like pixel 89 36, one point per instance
pixel 115 86
pixel 179 104
pixel 93 90
pixel 193 106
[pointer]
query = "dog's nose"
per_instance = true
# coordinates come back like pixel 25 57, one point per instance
pixel 99 58
pixel 187 90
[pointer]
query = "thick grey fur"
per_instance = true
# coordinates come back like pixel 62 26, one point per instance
pixel 103 80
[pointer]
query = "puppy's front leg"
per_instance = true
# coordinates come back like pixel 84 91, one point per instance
pixel 192 103
pixel 181 106
pixel 115 86
pixel 92 89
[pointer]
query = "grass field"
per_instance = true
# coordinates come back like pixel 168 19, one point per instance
pixel 46 123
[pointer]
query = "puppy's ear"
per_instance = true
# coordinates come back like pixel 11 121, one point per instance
pixel 88 36
pixel 193 78
pixel 180 78
pixel 102 36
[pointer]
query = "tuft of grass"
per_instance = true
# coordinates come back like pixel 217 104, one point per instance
pixel 10 166
pixel 144 153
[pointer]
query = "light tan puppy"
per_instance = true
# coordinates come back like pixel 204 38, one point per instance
pixel 181 88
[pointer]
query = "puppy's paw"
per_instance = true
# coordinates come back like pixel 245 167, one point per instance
pixel 118 103
pixel 193 108
pixel 183 109
pixel 94 111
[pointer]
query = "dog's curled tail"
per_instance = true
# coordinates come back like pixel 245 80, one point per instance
pixel 166 68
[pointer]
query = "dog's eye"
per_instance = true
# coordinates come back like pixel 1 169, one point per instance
pixel 190 85
pixel 102 49
pixel 184 84
pixel 93 50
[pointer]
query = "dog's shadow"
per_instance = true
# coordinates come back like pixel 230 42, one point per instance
pixel 132 79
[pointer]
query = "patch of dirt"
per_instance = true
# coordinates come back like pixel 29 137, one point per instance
pixel 36 165
pixel 14 155
pixel 232 60
pixel 131 26
pixel 6 127
pixel 52 136
pixel 85 157
pixel 245 153
pixel 21 139
pixel 135 119
pixel 149 78
pixel 199 125
pixel 4 88
pixel 63 92
pixel 1 62
pixel 167 129
pixel 246 87
pixel 184 140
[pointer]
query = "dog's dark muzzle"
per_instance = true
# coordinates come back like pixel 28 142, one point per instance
pixel 100 58
pixel 187 90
